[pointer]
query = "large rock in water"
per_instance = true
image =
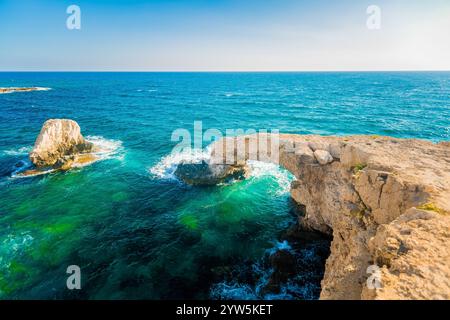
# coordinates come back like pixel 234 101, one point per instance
pixel 58 141
pixel 209 174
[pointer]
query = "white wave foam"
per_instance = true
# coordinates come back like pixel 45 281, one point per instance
pixel 165 168
pixel 294 288
pixel 43 89
pixel 148 90
pixel 15 242
pixel 233 291
pixel 26 165
pixel 233 94
pixel 107 148
pixel 260 169
pixel 279 246
pixel 18 152
pixel 21 166
pixel 18 175
pixel 242 291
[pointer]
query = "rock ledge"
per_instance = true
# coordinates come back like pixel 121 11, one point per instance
pixel 385 201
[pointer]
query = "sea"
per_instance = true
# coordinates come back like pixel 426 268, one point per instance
pixel 137 232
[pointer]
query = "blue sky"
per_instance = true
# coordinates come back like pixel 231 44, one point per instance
pixel 225 35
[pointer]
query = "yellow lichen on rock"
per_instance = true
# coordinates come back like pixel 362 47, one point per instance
pixel 432 207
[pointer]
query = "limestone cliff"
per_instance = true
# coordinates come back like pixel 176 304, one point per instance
pixel 385 201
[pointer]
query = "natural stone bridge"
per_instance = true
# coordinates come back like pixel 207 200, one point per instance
pixel 386 202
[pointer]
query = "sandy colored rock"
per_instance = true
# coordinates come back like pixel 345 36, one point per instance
pixel 323 157
pixel 415 257
pixel 58 140
pixel 26 89
pixel 85 159
pixel 386 201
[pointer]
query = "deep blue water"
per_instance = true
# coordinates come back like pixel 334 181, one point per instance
pixel 135 231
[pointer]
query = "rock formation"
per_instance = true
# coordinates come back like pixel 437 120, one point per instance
pixel 15 89
pixel 58 144
pixel 209 174
pixel 385 201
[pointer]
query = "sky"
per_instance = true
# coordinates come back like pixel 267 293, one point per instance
pixel 224 35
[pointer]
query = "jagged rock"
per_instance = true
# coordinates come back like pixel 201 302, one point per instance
pixel 209 174
pixel 64 164
pixel 58 141
pixel 385 201
pixel 283 262
pixel 303 153
pixel 413 246
pixel 323 157
pixel 284 265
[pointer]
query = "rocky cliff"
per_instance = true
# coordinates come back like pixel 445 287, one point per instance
pixel 385 201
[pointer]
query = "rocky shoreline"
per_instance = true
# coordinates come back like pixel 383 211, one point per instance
pixel 291 270
pixel 385 202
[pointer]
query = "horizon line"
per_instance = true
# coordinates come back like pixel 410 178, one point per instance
pixel 223 71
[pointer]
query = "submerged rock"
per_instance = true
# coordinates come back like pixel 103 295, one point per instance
pixel 283 262
pixel 209 174
pixel 284 266
pixel 57 144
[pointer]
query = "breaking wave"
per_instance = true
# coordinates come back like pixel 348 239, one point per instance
pixel 166 167
pixel 18 152
pixel 107 148
pixel 283 177
pixel 304 285
pixel 12 245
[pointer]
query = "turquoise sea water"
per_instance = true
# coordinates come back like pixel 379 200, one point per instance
pixel 137 232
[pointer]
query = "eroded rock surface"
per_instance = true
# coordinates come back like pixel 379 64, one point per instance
pixel 385 201
pixel 58 143
pixel 323 157
pixel 209 174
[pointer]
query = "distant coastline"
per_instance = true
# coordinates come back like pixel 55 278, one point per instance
pixel 227 71
pixel 23 89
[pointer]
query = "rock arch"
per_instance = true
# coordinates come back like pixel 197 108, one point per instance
pixel 386 201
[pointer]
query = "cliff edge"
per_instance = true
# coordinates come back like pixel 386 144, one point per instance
pixel 385 201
